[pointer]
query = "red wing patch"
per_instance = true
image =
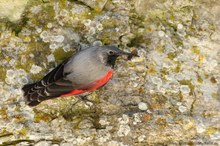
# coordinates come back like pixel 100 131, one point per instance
pixel 96 84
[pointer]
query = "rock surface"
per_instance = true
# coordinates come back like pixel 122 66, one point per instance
pixel 97 5
pixel 12 9
pixel 170 95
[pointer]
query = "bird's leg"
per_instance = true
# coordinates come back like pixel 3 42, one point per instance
pixel 73 104
pixel 84 98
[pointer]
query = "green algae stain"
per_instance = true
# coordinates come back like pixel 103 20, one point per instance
pixel 164 71
pixel 91 14
pixel 42 117
pixel 2 73
pixel 23 131
pixel 189 83
pixel 78 113
pixel 37 76
pixel 109 37
pixel 63 4
pixel 110 23
pixel 199 79
pixel 15 142
pixel 178 67
pixel 47 14
pixel 138 40
pixel 94 97
pixel 160 99
pixel 25 66
pixel 60 55
pixel 171 55
pixel 5 133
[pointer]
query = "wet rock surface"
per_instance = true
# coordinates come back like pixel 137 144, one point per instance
pixel 169 95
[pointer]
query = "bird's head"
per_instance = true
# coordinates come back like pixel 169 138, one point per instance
pixel 109 54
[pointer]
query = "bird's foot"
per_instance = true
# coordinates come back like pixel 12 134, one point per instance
pixel 87 102
pixel 85 99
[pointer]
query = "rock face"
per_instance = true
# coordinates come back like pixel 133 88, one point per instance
pixel 12 9
pixel 170 95
pixel 95 4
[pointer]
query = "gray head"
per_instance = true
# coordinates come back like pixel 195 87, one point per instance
pixel 91 64
pixel 109 54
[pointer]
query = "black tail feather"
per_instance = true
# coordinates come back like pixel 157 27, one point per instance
pixel 37 92
pixel 51 86
pixel 26 89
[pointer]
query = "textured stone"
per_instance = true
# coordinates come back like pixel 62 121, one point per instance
pixel 169 95
pixel 95 4
pixel 12 9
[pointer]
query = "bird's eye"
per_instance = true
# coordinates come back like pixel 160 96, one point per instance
pixel 111 52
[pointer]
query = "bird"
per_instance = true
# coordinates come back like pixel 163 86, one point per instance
pixel 84 71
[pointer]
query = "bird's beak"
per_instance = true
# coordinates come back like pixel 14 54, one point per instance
pixel 134 53
pixel 123 53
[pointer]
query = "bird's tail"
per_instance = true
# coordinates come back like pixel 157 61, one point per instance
pixel 30 96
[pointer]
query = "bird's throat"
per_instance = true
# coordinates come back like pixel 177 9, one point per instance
pixel 111 61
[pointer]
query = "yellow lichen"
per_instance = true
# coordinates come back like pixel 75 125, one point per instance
pixel 214 95
pixel 201 58
pixel 23 131
pixel 160 49
pixel 211 130
pixel 161 122
pixel 41 117
pixel 151 70
pixel 188 126
pixel 195 50
pixel 3 113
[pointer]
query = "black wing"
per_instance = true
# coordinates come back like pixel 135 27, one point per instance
pixel 51 86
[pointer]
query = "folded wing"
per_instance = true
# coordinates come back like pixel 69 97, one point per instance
pixel 52 85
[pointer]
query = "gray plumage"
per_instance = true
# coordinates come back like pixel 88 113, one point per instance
pixel 79 72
